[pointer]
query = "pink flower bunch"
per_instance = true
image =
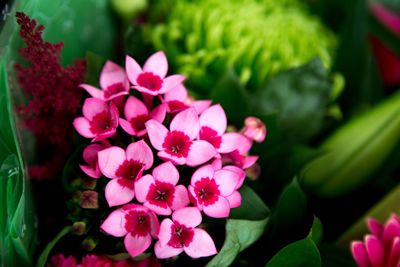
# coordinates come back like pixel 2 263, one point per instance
pixel 381 248
pixel 163 133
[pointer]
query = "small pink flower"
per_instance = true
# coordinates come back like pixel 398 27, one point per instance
pixel 137 114
pixel 151 79
pixel 381 248
pixel 113 82
pixel 90 157
pixel 160 192
pixel 59 260
pixel 215 192
pixel 254 129
pixel 124 168
pixel 239 156
pixel 180 234
pixel 177 145
pixel 99 120
pixel 137 223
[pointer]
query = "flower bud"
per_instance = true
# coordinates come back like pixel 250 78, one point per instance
pixel 89 244
pixel 254 129
pixel 90 200
pixel 79 228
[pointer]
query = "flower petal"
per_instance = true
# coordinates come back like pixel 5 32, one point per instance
pixel 219 209
pixel 240 172
pixel 164 234
pixel 232 141
pixel 202 245
pixel 215 118
pixel 235 199
pixel 189 216
pixel 179 93
pixel 157 64
pixel 360 254
pixel 127 127
pixel 90 153
pixel 375 227
pixel 134 107
pixel 112 74
pixel 157 133
pixel 187 122
pixel 374 249
pixel 142 186
pixel 206 171
pixel 166 172
pixel 165 210
pixel 92 107
pixel 133 69
pixel 110 159
pixel 154 224
pixel 91 171
pixel 200 105
pixel 174 159
pixel 93 91
pixel 159 113
pixel 171 82
pixel 119 191
pixel 249 161
pixel 181 198
pixel 136 245
pixel 82 126
pixel 141 152
pixel 200 152
pixel 115 224
pixel 226 181
pixel 394 257
pixel 164 252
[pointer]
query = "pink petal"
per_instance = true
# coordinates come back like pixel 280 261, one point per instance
pixel 171 82
pixel 147 91
pixel 132 69
pixel 249 161
pixel 189 216
pixel 127 126
pixel 166 172
pixel 119 191
pixel 360 254
pixel 187 122
pixel 200 152
pixel 174 159
pixel 110 159
pixel 154 224
pixel 114 114
pixel 192 198
pixel 92 107
pixel 374 250
pixel 206 171
pixel 141 152
pixel 217 163
pixel 179 93
pixel 239 172
pixel 232 141
pixel 181 198
pixel 115 96
pixel 164 234
pixel 93 91
pixel 244 145
pixel 104 135
pixel 115 224
pixel 90 153
pixel 159 113
pixel 142 186
pixel 200 105
pixel 134 107
pixel 158 209
pixel 375 227
pixel 394 257
pixel 219 209
pixel 226 181
pixel 235 199
pixel 157 64
pixel 201 246
pixel 215 118
pixel 164 252
pixel 112 74
pixel 390 231
pixel 136 245
pixel 91 171
pixel 82 126
pixel 157 133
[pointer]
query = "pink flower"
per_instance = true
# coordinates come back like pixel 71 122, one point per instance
pixel 180 234
pixel 177 145
pixel 160 192
pixel 178 100
pixel 151 79
pixel 215 192
pixel 137 114
pixel 137 223
pixel 239 156
pixel 60 260
pixel 254 129
pixel 124 168
pixel 381 248
pixel 90 156
pixel 99 120
pixel 113 82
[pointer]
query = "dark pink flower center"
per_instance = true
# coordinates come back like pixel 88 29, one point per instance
pixel 177 144
pixel 180 236
pixel 101 122
pixel 129 169
pixel 137 223
pixel 206 191
pixel 139 121
pixel 149 81
pixel 114 89
pixel 161 194
pixel 234 158
pixel 175 106
pixel 211 136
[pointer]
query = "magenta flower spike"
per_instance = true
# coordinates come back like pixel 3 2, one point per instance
pixel 124 167
pixel 160 192
pixel 254 129
pixel 178 144
pixel 113 83
pixel 138 224
pixel 90 156
pixel 215 192
pixel 180 234
pixel 99 120
pixel 381 248
pixel 137 114
pixel 151 79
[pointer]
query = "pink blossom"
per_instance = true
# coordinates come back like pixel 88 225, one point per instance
pixel 113 83
pixel 254 129
pixel 180 234
pixel 124 167
pixel 177 145
pixel 160 192
pixel 137 223
pixel 239 156
pixel 99 120
pixel 151 79
pixel 60 260
pixel 215 191
pixel 90 156
pixel 381 248
pixel 137 114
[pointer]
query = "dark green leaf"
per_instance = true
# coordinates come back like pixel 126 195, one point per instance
pixel 94 64
pixel 316 231
pixel 333 255
pixel 252 208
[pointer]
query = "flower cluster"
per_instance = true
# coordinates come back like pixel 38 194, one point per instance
pixel 170 160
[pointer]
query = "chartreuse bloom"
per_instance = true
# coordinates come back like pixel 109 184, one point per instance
pixel 356 150
pixel 257 38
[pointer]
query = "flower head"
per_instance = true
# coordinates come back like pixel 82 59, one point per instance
pixel 254 129
pixel 90 156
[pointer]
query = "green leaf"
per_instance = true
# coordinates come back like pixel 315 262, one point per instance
pixel 316 231
pixel 333 255
pixel 94 64
pixel 252 207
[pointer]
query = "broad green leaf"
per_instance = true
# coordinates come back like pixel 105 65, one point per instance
pixel 46 252
pixel 316 231
pixel 333 255
pixel 252 207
